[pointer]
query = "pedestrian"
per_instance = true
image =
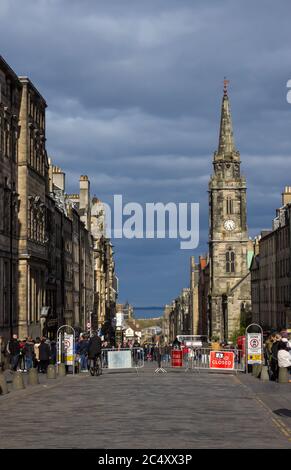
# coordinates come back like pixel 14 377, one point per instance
pixel 83 352
pixel 274 357
pixel 21 362
pixel 53 352
pixel 13 350
pixel 284 338
pixel 268 350
pixel 44 355
pixel 284 358
pixel 29 353
pixel 36 354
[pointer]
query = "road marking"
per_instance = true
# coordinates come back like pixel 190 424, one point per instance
pixel 276 421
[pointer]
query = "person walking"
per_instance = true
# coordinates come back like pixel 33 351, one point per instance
pixel 94 347
pixel 284 358
pixel 83 352
pixel 21 362
pixel 274 358
pixel 29 353
pixel 13 349
pixel 53 352
pixel 36 354
pixel 44 355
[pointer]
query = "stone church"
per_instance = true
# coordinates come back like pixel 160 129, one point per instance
pixel 229 245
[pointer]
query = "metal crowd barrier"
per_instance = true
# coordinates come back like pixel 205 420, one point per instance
pixel 199 359
pixel 123 358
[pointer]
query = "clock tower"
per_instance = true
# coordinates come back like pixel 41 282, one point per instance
pixel 229 294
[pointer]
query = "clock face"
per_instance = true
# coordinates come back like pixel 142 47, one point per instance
pixel 229 225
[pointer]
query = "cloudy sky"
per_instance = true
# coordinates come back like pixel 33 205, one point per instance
pixel 134 90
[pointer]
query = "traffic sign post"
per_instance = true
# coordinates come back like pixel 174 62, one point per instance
pixel 66 346
pixel 254 346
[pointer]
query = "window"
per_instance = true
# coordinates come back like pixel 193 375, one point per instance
pixel 230 261
pixel 229 205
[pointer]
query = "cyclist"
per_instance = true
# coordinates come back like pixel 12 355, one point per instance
pixel 94 348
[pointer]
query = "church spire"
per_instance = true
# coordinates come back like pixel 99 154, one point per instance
pixel 226 141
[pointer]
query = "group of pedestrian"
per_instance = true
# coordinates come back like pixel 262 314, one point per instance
pixel 23 354
pixel 84 349
pixel 277 353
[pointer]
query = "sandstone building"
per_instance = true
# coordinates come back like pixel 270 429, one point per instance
pixel 270 271
pixel 53 270
pixel 10 99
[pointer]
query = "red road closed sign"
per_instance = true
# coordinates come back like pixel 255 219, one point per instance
pixel 221 360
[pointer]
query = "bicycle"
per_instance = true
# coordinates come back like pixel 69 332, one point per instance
pixel 95 366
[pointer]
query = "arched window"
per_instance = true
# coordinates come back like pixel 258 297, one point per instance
pixel 230 261
pixel 229 205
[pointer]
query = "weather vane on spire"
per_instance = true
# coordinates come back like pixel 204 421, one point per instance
pixel 225 84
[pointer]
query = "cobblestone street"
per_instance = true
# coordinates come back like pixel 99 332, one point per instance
pixel 146 410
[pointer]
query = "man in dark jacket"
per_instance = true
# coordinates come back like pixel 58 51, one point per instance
pixel 274 358
pixel 94 347
pixel 44 355
pixel 13 349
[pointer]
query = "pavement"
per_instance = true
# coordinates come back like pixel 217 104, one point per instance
pixel 144 410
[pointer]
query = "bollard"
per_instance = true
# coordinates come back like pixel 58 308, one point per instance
pixel 61 370
pixel 254 371
pixel 265 373
pixel 17 382
pixel 283 375
pixel 51 372
pixel 259 370
pixel 33 376
pixel 3 385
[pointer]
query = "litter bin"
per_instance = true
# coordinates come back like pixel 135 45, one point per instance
pixel 177 358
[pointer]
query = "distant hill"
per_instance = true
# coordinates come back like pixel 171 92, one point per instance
pixel 144 323
pixel 148 312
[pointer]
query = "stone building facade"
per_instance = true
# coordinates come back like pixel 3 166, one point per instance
pixel 229 282
pixel 105 279
pixel 177 316
pixel 270 271
pixel 194 298
pixel 10 100
pixel 203 296
pixel 32 190
pixel 47 251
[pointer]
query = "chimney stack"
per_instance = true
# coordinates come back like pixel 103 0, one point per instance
pixel 59 178
pixel 286 195
pixel 84 204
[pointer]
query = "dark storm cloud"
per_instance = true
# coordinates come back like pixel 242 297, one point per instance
pixel 134 93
